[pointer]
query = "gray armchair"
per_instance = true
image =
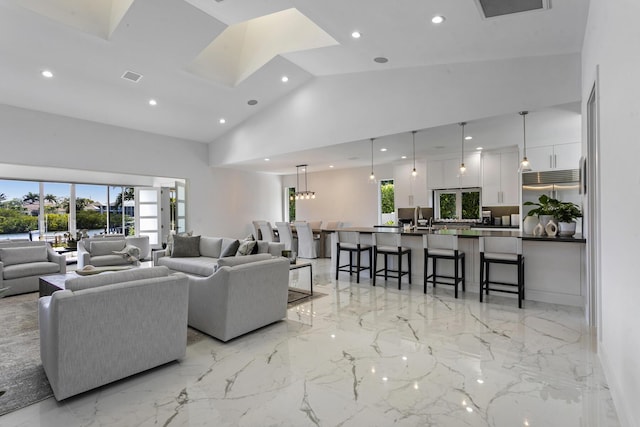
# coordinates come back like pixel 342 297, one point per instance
pixel 107 251
pixel 23 262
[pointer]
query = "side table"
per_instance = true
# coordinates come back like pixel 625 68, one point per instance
pixel 304 264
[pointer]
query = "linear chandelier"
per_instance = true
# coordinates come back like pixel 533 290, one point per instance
pixel 306 194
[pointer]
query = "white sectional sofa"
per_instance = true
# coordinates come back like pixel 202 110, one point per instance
pixel 23 262
pixel 209 251
pixel 109 326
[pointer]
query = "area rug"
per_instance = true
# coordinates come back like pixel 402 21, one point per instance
pixel 22 378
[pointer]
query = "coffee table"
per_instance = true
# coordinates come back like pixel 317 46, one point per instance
pixel 54 282
pixel 304 264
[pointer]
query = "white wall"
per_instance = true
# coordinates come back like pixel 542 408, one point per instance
pixel 220 201
pixel 353 107
pixel 342 195
pixel 611 42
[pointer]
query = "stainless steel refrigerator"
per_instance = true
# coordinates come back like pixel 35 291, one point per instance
pixel 563 185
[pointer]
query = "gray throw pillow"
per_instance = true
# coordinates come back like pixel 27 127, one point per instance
pixel 231 249
pixel 185 246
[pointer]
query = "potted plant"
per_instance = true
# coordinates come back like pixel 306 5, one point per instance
pixel 545 210
pixel 566 213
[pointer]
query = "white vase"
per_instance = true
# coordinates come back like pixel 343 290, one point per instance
pixel 551 229
pixel 529 224
pixel 566 229
pixel 544 220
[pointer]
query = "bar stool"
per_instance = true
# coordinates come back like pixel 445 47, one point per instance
pixel 350 241
pixel 501 250
pixel 443 246
pixel 389 244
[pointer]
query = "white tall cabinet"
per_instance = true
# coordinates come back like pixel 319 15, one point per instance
pixel 500 180
pixel 549 157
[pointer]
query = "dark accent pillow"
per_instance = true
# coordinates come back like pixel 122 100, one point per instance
pixel 185 246
pixel 231 249
pixel 255 248
pixel 246 247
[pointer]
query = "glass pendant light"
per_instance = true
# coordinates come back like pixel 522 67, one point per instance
pixel 525 166
pixel 372 177
pixel 414 172
pixel 463 169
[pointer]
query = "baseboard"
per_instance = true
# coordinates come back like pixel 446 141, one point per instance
pixel 622 404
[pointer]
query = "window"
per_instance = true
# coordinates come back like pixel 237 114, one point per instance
pixel 387 202
pixel 457 204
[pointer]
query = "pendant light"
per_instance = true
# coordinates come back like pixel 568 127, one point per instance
pixel 372 177
pixel 414 172
pixel 306 194
pixel 525 166
pixel 463 169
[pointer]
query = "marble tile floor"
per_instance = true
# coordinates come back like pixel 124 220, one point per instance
pixel 365 356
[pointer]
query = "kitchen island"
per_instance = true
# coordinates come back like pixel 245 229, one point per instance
pixel 554 266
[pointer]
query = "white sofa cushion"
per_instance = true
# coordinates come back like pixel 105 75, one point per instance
pixel 106 247
pixel 109 278
pixel 40 268
pixel 237 260
pixel 200 266
pixel 23 255
pixel 210 246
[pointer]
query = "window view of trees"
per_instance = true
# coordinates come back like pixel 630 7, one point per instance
pixel 20 214
pixel 458 204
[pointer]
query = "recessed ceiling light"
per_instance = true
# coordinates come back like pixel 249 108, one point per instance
pixel 267 159
pixel 153 102
pixel 356 34
pixel 383 149
pixel 403 157
pixel 222 121
pixel 331 166
pixel 47 73
pixel 284 79
pixel 438 19
pixel 468 138
pixel 478 148
pixel 381 60
pixel 252 102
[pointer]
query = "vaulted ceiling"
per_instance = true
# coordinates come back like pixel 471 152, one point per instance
pixel 207 60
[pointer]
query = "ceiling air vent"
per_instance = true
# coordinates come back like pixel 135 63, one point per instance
pixel 132 76
pixel 494 8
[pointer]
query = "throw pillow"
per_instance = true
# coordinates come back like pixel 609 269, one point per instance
pixel 246 247
pixel 185 246
pixel 231 249
pixel 23 255
pixel 170 237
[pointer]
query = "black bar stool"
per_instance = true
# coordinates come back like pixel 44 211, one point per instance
pixel 350 241
pixel 443 246
pixel 501 250
pixel 389 244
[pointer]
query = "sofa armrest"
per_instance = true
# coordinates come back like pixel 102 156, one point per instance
pixel 1 273
pixel 156 255
pixel 59 259
pixel 84 256
pixel 276 248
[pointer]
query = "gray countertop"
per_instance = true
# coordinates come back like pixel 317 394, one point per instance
pixel 469 234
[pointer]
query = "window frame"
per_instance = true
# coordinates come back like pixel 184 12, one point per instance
pixel 458 193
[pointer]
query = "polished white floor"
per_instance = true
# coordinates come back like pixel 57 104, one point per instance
pixel 365 356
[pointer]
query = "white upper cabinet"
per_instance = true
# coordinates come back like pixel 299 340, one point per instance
pixel 562 156
pixel 410 191
pixel 500 179
pixel 445 173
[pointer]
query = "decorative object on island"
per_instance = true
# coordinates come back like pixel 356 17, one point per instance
pixel 414 172
pixel 372 177
pixel 566 214
pixel 463 169
pixel 546 207
pixel 306 194
pixel 529 224
pixel 525 166
pixel 551 228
